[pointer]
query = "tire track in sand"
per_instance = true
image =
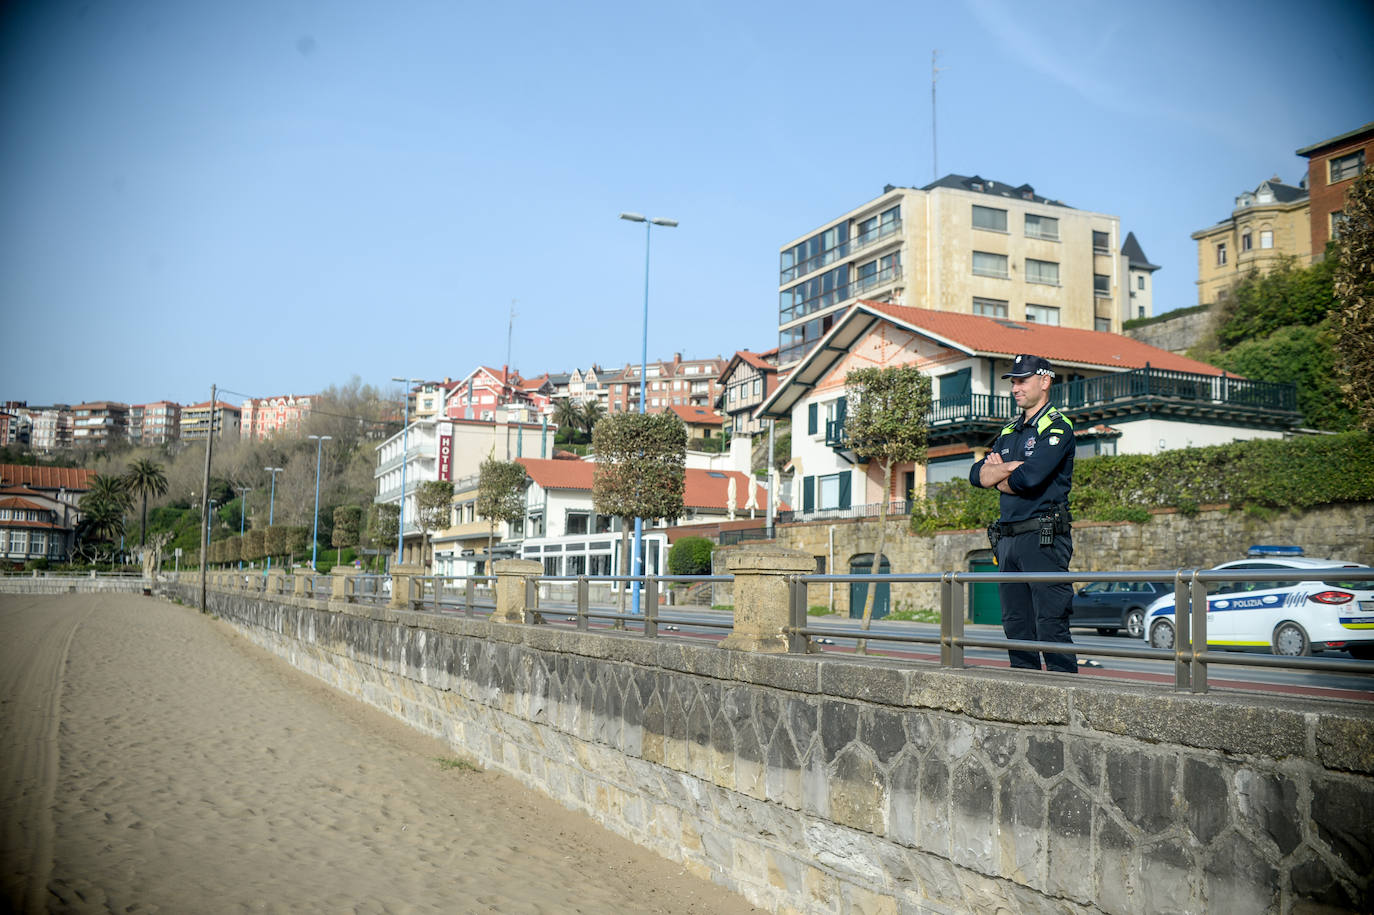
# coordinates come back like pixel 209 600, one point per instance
pixel 36 635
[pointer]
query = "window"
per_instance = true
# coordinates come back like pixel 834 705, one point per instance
pixel 599 565
pixel 1046 272
pixel 833 491
pixel 1346 167
pixel 19 542
pixel 990 308
pixel 1140 311
pixel 985 264
pixel 1337 221
pixel 1042 227
pixel 1245 242
pixel 1103 325
pixel 1042 314
pixel 1102 284
pixel 758 387
pixel 989 218
pixel 577 522
pixel 1102 243
pixel 1140 283
pixel 553 565
pixel 1221 254
pixel 1266 239
pixel 576 565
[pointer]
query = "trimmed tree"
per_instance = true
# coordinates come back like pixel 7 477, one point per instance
pixel 433 511
pixel 348 522
pixel 690 556
pixel 886 424
pixel 255 544
pixel 640 471
pixel 383 524
pixel 297 538
pixel 276 538
pixel 1354 288
pixel 500 496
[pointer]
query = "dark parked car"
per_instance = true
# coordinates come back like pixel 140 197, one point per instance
pixel 1111 606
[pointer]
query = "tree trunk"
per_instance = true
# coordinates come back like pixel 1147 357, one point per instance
pixel 861 647
pixel 624 566
pixel 143 531
pixel 491 543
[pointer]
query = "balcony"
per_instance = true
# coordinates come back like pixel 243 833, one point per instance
pixel 976 418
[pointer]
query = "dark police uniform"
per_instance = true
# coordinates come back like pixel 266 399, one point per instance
pixel 1034 533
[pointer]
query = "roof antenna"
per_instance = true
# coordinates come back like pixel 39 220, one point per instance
pixel 934 150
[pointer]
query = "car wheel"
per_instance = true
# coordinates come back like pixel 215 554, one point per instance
pixel 1289 639
pixel 1135 622
pixel 1162 635
pixel 1106 630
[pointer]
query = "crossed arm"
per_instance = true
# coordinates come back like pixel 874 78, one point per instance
pixel 994 473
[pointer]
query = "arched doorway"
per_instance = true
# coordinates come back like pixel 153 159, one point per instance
pixel 862 564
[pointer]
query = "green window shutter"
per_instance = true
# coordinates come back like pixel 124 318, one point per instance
pixel 811 413
pixel 841 409
pixel 844 489
pixel 808 494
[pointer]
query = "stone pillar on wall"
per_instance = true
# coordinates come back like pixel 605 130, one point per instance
pixel 401 575
pixel 338 580
pixel 274 580
pixel 512 577
pixel 761 596
pixel 300 584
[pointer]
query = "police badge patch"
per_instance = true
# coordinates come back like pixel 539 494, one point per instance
pixel 1054 440
pixel 1030 445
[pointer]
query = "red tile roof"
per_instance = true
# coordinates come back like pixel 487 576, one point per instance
pixel 17 502
pixel 1060 345
pixel 697 416
pixel 702 489
pixel 73 478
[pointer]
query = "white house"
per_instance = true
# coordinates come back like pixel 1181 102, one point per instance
pixel 1123 396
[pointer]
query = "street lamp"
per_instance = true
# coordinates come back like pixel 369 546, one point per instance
pixel 271 502
pixel 243 492
pixel 405 459
pixel 637 563
pixel 315 534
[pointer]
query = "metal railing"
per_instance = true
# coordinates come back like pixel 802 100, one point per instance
pixel 1189 658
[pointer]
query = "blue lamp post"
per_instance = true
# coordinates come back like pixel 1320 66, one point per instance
pixel 243 492
pixel 271 503
pixel 315 533
pixel 405 459
pixel 637 561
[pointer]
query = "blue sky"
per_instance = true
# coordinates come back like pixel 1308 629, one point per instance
pixel 276 196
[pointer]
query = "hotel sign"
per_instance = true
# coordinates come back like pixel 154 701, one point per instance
pixel 446 457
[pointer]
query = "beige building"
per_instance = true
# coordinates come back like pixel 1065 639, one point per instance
pixel 1269 223
pixel 967 245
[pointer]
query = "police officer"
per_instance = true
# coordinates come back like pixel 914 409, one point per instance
pixel 1031 464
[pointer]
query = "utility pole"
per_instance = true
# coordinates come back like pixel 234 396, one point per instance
pixel 205 501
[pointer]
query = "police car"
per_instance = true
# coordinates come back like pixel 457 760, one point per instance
pixel 1284 617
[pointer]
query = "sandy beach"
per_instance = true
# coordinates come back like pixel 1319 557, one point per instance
pixel 152 760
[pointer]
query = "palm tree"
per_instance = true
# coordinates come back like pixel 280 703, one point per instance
pixel 103 507
pixel 567 416
pixel 592 412
pixel 145 478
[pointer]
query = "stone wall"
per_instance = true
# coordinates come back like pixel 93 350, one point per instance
pixel 1177 334
pixel 1169 540
pixel 67 583
pixel 825 783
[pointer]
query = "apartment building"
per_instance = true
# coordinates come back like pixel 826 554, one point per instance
pixel 679 382
pixel 100 424
pixel 585 386
pixel 487 391
pixel 264 416
pixel 52 428
pixel 961 244
pixel 1332 165
pixel 196 420
pixel 154 423
pixel 1268 224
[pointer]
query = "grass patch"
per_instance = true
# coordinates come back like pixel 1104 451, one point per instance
pixel 722 606
pixel 818 610
pixel 452 762
pixel 915 616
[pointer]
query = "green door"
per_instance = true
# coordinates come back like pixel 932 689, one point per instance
pixel 984 603
pixel 858 591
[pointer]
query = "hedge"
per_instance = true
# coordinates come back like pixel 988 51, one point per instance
pixel 1276 474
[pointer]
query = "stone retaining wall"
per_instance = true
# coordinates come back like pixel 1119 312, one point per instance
pixel 70 584
pixel 819 783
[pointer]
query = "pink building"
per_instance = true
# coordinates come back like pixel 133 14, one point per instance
pixel 266 416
